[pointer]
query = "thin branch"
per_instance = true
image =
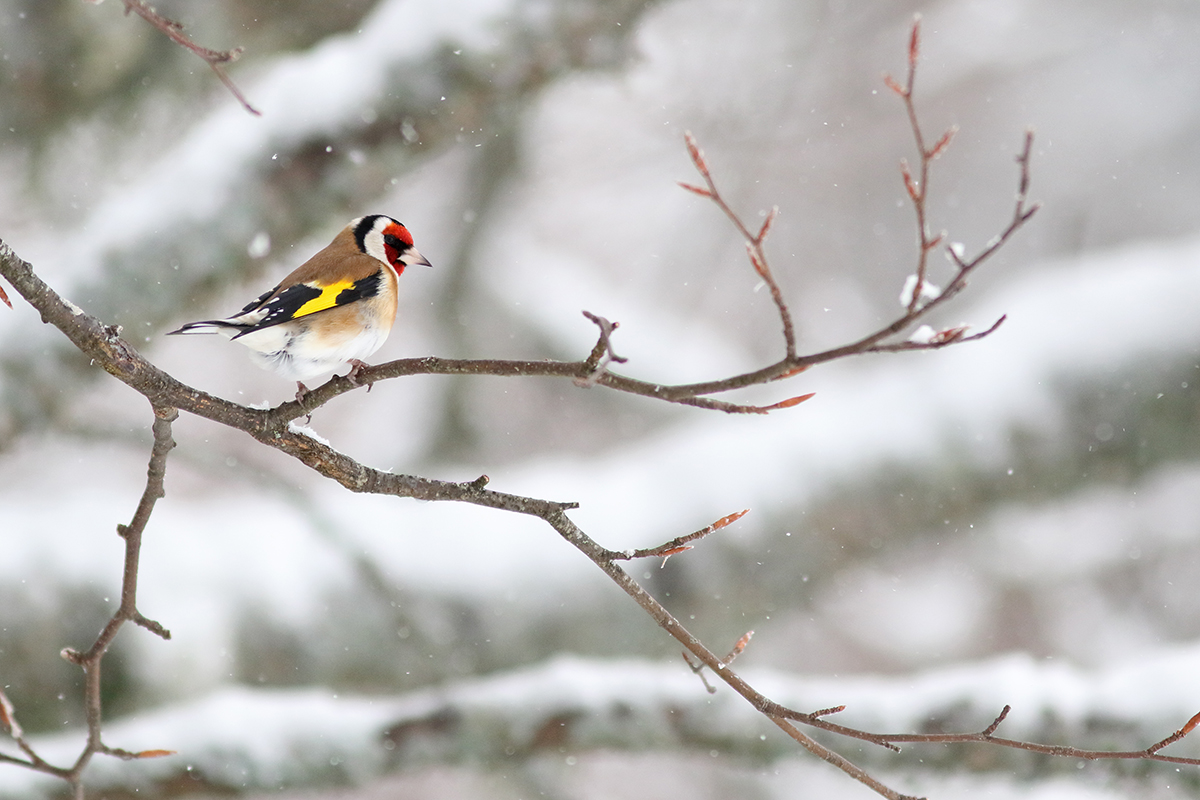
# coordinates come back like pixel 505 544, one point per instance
pixel 602 354
pixel 680 543
pixel 91 660
pixel 754 241
pixel 986 736
pixel 939 340
pixel 698 671
pixel 739 647
pixel 216 59
pixel 10 726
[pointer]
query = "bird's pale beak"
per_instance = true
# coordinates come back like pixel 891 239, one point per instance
pixel 413 257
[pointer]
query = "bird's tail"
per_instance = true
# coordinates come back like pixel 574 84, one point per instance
pixel 208 326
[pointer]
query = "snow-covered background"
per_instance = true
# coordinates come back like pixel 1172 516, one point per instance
pixel 933 536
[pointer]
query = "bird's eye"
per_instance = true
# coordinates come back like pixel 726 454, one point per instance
pixel 393 241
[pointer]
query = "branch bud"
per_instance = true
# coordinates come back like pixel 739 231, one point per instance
pixel 910 183
pixel 766 226
pixel 728 519
pixel 791 401
pixel 695 189
pixel 894 85
pixel 943 142
pixel 740 645
pixel 154 753
pixel 914 42
pixel 696 153
pixel 8 718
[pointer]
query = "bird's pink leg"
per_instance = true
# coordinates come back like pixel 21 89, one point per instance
pixel 356 367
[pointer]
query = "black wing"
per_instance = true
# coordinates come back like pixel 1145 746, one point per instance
pixel 302 299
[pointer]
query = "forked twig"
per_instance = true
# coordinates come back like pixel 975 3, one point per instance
pixel 602 354
pixel 91 660
pixel 754 241
pixel 216 59
pixel 679 544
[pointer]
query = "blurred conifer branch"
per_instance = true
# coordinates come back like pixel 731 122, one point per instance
pixel 216 59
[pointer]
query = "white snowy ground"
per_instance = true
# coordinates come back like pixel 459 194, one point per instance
pixel 272 739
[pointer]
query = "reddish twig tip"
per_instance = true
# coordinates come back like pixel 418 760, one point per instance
pixel 740 646
pixel 914 42
pixel 940 146
pixel 825 712
pixel 728 520
pixel 791 401
pixel 154 753
pixel 695 189
pixel 894 85
pixel 766 226
pixel 8 717
pixel 696 154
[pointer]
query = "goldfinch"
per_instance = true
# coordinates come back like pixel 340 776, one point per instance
pixel 335 308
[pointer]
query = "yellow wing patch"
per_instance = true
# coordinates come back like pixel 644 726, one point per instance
pixel 326 299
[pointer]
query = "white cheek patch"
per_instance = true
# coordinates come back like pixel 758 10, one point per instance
pixel 373 241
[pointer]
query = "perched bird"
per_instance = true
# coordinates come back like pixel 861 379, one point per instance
pixel 336 307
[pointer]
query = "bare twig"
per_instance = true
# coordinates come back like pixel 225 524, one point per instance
pixel 986 736
pixel 754 241
pixel 680 543
pixel 602 354
pixel 739 647
pixel 216 59
pixel 940 339
pixel 698 671
pixel 90 661
pixel 1187 728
